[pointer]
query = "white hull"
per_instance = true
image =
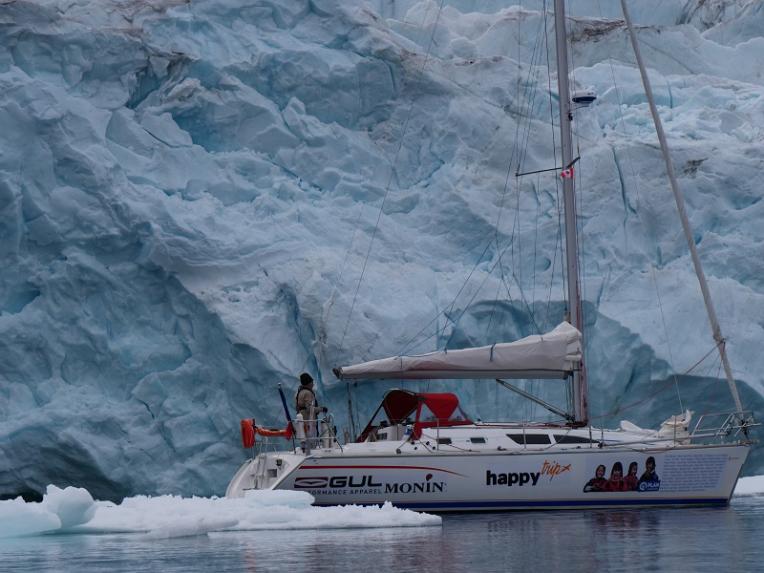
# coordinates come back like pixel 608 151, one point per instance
pixel 552 478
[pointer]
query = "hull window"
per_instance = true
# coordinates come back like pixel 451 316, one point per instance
pixel 562 439
pixel 530 439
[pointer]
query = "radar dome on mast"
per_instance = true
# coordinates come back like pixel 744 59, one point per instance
pixel 584 98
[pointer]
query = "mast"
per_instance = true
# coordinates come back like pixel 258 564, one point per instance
pixel 580 405
pixel 679 198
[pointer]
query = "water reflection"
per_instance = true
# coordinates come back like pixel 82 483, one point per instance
pixel 635 540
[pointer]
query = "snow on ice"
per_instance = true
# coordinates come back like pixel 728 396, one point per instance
pixel 188 192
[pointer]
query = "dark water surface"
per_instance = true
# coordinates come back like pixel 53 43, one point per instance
pixel 714 540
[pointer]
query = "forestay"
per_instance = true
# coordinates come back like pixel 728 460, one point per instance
pixel 555 354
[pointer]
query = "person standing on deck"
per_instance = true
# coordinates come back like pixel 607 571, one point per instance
pixel 305 399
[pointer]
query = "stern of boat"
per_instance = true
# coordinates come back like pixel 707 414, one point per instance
pixel 264 471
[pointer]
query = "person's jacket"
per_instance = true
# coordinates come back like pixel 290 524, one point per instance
pixel 305 399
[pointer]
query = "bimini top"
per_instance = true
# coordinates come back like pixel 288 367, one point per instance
pixel 429 410
pixel 555 354
pixel 401 404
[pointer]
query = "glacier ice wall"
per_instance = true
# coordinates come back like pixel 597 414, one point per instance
pixel 189 192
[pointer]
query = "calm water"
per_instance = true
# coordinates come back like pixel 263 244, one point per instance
pixel 636 540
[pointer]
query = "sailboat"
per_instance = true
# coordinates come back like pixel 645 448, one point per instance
pixel 422 451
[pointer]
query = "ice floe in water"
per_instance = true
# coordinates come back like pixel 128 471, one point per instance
pixel 752 485
pixel 73 510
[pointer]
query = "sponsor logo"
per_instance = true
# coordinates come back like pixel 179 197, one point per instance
pixel 512 478
pixel 553 469
pixel 427 486
pixel 335 482
pixel 366 484
pixel 310 482
pixel 649 486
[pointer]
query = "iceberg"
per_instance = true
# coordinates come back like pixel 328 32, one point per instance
pixel 198 201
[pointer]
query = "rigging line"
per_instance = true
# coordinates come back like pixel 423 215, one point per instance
pixel 557 249
pixel 528 89
pixel 528 86
pixel 504 193
pixel 343 268
pixel 448 310
pixel 706 355
pixel 581 238
pixel 531 314
pixel 507 174
pixel 517 225
pixel 530 96
pixel 554 138
pixel 514 276
pixel 558 239
pixel 663 386
pixel 390 178
pixel 496 233
pixel 551 280
pixel 639 216
pixel 549 90
pixel 522 137
pixel 445 311
pixel 493 311
pixel 469 303
pixel 468 91
pixel 666 334
pixel 543 24
pixel 535 243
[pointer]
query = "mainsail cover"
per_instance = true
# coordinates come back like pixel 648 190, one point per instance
pixel 555 354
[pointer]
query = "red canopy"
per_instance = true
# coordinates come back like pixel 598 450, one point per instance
pixel 442 404
pixel 432 410
pixel 438 411
pixel 399 405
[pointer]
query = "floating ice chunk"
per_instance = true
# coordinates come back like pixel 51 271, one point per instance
pixel 752 485
pixel 163 517
pixel 173 516
pixel 72 505
pixel 60 509
pixel 18 518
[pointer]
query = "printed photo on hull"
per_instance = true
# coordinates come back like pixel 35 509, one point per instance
pixel 618 481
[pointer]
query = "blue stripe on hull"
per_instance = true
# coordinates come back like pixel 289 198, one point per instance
pixel 552 504
pixel 562 503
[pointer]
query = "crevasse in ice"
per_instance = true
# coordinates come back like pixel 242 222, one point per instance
pixel 188 192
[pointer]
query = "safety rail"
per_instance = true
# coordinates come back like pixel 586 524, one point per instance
pixel 723 426
pixel 317 433
pixel 305 435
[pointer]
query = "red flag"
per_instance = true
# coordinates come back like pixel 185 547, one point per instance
pixel 567 173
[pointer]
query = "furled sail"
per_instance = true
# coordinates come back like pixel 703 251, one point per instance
pixel 555 354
